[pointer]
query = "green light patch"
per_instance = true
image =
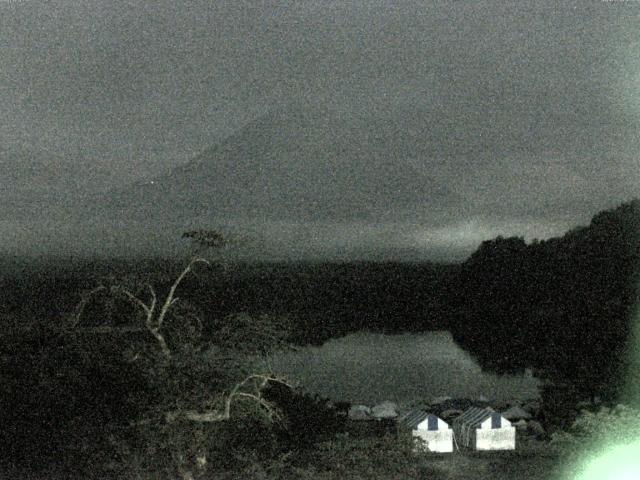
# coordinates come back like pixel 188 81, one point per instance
pixel 621 462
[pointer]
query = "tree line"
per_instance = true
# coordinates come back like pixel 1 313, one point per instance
pixel 564 306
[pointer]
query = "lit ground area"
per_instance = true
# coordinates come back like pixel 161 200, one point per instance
pixel 531 461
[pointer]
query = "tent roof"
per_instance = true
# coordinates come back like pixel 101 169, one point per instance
pixel 359 412
pixel 416 417
pixel 360 407
pixel 516 413
pixel 437 400
pixel 387 404
pixel 474 416
pixel 385 410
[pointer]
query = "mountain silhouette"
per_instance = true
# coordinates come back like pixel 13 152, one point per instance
pixel 300 164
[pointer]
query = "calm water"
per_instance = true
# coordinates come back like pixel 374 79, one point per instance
pixel 370 368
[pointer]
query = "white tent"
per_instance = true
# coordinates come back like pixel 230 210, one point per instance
pixel 435 432
pixel 484 429
pixel 359 412
pixel 385 410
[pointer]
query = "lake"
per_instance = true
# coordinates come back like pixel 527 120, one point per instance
pixel 371 367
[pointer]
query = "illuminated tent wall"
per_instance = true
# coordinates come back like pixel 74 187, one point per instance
pixel 484 429
pixel 436 433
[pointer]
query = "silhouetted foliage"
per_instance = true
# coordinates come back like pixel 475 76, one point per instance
pixel 308 418
pixel 562 305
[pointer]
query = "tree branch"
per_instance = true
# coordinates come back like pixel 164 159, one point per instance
pixel 260 401
pixel 169 300
pixel 149 323
pixel 83 303
pixel 195 416
pixel 166 351
pixel 105 329
pixel 153 298
pixel 137 301
pixel 225 414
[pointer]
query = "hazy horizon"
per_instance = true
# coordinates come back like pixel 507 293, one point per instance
pixel 346 130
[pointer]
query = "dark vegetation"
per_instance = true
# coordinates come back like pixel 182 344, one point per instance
pixel 327 300
pixel 563 306
pixel 92 404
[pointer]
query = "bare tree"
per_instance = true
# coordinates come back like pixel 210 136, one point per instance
pixel 255 331
pixel 220 382
pixel 251 389
pixel 154 320
pixel 155 312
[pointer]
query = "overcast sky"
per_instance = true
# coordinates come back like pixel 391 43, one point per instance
pixel 536 105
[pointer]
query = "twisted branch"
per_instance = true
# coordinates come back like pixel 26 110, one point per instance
pixel 225 413
pixel 170 299
pixel 83 303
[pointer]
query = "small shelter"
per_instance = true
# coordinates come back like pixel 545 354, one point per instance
pixel 384 410
pixel 460 404
pixel 484 429
pixel 532 406
pixel 521 425
pixel 435 432
pixel 359 412
pixel 451 414
pixel 516 413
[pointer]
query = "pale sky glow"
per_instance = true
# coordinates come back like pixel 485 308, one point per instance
pixel 466 236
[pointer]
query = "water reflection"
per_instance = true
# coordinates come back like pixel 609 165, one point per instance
pixel 372 367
